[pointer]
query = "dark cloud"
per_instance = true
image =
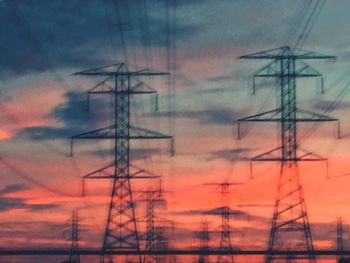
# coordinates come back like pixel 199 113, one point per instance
pixel 221 78
pixel 39 36
pixel 10 203
pixel 241 154
pixel 214 115
pixel 12 188
pixel 45 35
pixel 255 205
pixel 47 133
pixel 323 105
pixel 217 212
pixel 219 90
pixel 74 116
pixel 73 112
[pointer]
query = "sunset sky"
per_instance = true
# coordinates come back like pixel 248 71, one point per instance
pixel 42 43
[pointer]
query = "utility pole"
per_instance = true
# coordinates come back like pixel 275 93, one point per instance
pixel 290 228
pixel 121 83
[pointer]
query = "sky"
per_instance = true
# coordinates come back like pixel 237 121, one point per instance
pixel 42 104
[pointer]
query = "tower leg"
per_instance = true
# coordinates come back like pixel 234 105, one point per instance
pixel 121 231
pixel 290 229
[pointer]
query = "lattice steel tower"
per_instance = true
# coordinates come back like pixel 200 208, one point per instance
pixel 118 81
pixel 290 227
pixel 203 236
pixel 154 238
pixel 225 239
pixel 340 242
pixel 74 255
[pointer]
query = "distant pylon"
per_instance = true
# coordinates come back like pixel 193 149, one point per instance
pixel 203 236
pixel 225 238
pixel 118 81
pixel 74 255
pixel 225 241
pixel 340 244
pixel 290 227
pixel 154 237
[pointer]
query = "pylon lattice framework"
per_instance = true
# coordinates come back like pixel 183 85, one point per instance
pixel 225 212
pixel 290 221
pixel 225 241
pixel 74 256
pixel 204 237
pixel 121 227
pixel 154 236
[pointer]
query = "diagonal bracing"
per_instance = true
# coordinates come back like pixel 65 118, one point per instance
pixel 290 228
pixel 121 83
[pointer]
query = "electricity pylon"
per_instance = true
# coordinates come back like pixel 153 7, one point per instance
pixel 340 244
pixel 154 237
pixel 290 227
pixel 225 239
pixel 121 83
pixel 203 236
pixel 74 255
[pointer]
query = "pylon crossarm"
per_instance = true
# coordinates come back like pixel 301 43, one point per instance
pixel 313 116
pixel 104 173
pixel 272 70
pixel 102 85
pixel 267 156
pixel 142 88
pixel 286 53
pixel 260 117
pixel 264 116
pixel 267 54
pixel 107 172
pixel 269 70
pixel 119 70
pixel 309 156
pixel 101 133
pixel 121 177
pixel 305 70
pixel 138 88
pixel 108 132
pixel 274 116
pixel 89 72
pixel 307 54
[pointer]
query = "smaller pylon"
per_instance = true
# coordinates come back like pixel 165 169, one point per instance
pixel 203 236
pixel 225 240
pixel 154 235
pixel 74 255
pixel 340 244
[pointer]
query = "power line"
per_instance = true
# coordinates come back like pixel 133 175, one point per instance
pixel 33 181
